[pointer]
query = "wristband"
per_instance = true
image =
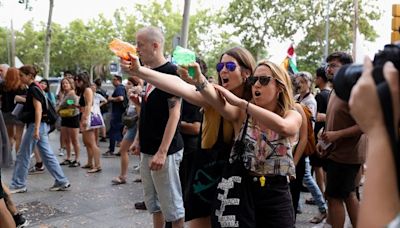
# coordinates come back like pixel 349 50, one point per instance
pixel 201 86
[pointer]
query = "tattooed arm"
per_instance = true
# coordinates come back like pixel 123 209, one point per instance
pixel 174 105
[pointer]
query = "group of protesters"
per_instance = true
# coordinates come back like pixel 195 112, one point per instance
pixel 229 153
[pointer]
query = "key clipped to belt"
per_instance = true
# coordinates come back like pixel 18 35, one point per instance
pixel 262 181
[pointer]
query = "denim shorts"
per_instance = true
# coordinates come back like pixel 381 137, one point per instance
pixel 162 189
pixel 130 134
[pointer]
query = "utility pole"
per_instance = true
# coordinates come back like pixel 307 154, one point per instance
pixel 12 51
pixel 185 24
pixel 47 43
pixel 326 32
pixel 8 47
pixel 355 28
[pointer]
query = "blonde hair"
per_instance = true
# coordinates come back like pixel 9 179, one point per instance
pixel 285 99
pixel 71 83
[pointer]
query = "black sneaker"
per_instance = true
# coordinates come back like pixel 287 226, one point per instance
pixel 20 221
pixel 103 139
pixel 108 154
pixel 140 206
pixel 36 170
pixel 60 187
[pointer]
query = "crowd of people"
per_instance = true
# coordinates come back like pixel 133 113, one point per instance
pixel 233 152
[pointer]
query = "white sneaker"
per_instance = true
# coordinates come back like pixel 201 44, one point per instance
pixel 18 190
pixel 61 152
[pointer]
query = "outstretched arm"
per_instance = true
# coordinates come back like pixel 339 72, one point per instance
pixel 288 125
pixel 168 83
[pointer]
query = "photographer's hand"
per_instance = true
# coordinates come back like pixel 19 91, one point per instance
pixel 380 195
pixel 365 93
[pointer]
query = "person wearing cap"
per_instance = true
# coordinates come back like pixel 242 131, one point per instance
pixel 117 108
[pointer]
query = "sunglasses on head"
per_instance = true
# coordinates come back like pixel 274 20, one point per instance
pixel 264 80
pixel 231 66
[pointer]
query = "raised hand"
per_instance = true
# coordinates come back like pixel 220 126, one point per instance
pixel 130 66
pixel 230 97
pixel 198 78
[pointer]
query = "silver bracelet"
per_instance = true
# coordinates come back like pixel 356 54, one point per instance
pixel 201 86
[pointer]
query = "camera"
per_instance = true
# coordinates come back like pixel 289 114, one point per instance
pixel 347 76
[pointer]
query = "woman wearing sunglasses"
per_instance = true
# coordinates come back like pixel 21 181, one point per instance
pixel 234 67
pixel 271 131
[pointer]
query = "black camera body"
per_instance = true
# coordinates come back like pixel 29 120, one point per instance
pixel 347 76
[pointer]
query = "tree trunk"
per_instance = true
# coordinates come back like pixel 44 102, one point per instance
pixel 48 42
pixel 355 28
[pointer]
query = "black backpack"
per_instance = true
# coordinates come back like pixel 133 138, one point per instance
pixel 50 115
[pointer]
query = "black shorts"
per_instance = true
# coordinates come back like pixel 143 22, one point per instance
pixel 340 179
pixel 1 188
pixel 70 122
pixel 316 161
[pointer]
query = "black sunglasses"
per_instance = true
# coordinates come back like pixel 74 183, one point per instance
pixel 264 80
pixel 231 66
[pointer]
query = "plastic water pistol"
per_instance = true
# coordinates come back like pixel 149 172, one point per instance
pixel 262 181
pixel 122 48
pixel 183 56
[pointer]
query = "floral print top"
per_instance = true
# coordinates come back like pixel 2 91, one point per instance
pixel 266 152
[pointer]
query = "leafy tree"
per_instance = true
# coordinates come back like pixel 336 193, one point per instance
pixel 4 40
pixel 257 22
pixel 30 45
pixel 310 49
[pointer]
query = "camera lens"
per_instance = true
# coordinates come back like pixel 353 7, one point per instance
pixel 345 79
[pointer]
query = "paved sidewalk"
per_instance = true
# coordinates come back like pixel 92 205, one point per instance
pixel 92 200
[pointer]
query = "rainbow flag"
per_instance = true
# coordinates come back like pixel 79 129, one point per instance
pixel 289 63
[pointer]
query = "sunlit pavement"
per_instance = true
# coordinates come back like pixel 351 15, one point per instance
pixel 92 200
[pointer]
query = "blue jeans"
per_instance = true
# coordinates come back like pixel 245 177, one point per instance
pixel 316 193
pixel 23 157
pixel 116 128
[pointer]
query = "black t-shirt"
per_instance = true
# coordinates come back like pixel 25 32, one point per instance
pixel 34 91
pixel 154 116
pixel 7 98
pixel 117 108
pixel 322 103
pixel 190 114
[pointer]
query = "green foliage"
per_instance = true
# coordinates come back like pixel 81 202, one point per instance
pixel 257 22
pixel 3 40
pixel 252 24
pixel 310 50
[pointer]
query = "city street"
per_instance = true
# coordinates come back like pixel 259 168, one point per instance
pixel 92 200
